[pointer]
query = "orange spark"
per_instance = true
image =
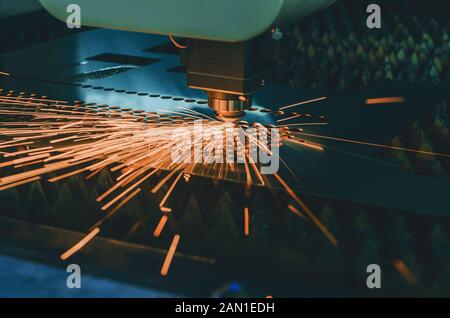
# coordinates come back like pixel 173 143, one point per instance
pixel 15 184
pixel 93 174
pixel 126 199
pixel 305 208
pixel 162 182
pixel 28 163
pixel 186 177
pixel 307 144
pixel 71 124
pixel 80 244
pixel 296 211
pixel 23 160
pixel 303 103
pixel 63 139
pixel 127 191
pixel 29 151
pixel 113 211
pixel 406 273
pixel 246 222
pixel 170 254
pixel 160 226
pixel 385 100
pixel 375 145
pixel 163 201
pixel 289 118
pixel 66 175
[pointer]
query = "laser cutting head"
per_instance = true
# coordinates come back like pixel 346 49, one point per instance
pixel 229 72
pixel 230 52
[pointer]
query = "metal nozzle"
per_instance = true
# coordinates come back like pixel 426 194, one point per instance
pixel 228 105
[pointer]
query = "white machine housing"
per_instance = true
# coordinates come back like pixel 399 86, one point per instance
pixel 218 20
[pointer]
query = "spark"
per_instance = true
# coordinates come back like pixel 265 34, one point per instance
pixel 160 226
pixel 30 99
pixel 186 177
pixel 163 181
pixel 13 154
pixel 385 100
pixel 22 160
pixel 93 174
pixel 303 124
pixel 170 254
pixel 80 244
pixel 18 183
pixel 296 211
pixel 66 175
pixel 362 156
pixel 117 208
pixel 305 208
pixel 77 123
pixel 303 103
pixel 375 145
pixel 305 143
pixel 54 141
pixel 164 200
pixel 246 222
pixel 188 110
pixel 406 273
pixel 31 163
pixel 110 203
pixel 289 118
pixel 133 230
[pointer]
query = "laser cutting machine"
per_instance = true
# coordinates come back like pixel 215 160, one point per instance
pixel 157 58
pixel 230 49
pixel 231 46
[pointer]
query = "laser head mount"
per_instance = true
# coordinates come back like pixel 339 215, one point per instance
pixel 230 52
